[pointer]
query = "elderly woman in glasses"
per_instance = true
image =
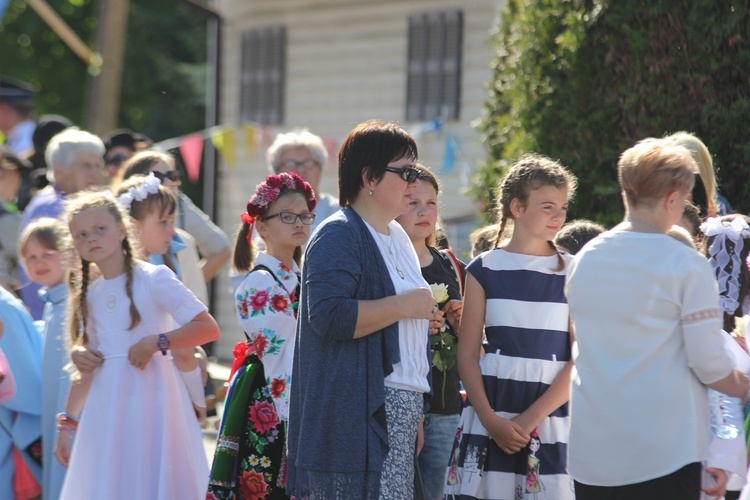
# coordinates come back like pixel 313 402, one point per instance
pixel 303 153
pixel 361 366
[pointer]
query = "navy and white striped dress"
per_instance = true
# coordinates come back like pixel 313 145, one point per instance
pixel 526 324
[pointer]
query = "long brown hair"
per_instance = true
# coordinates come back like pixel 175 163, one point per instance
pixel 531 172
pixel 79 276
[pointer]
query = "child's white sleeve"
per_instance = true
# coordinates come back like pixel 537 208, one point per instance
pixel 194 383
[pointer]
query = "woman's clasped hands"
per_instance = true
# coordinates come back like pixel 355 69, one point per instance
pixel 419 303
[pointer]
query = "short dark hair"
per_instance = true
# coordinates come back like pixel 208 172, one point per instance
pixel 369 147
pixel 575 234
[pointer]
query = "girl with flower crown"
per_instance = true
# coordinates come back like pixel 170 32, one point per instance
pixel 250 453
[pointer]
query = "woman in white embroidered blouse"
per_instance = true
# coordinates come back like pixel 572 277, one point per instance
pixel 647 320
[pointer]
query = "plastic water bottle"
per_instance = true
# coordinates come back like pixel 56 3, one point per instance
pixel 726 415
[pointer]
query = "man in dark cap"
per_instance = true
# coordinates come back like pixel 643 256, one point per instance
pixel 17 114
pixel 120 144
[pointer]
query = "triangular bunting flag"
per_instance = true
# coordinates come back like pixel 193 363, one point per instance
pixel 250 135
pixel 223 140
pixel 191 149
pixel 451 153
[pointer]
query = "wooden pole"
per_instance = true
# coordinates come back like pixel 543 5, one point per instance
pixel 64 31
pixel 103 95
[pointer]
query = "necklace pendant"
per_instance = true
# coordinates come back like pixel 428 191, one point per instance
pixel 400 273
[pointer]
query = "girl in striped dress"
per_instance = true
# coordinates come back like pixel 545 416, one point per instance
pixel 520 387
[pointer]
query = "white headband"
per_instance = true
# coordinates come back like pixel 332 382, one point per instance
pixel 139 192
pixel 721 257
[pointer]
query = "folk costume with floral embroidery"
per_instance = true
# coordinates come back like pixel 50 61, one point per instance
pixel 250 462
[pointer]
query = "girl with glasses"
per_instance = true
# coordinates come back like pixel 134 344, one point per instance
pixel 249 460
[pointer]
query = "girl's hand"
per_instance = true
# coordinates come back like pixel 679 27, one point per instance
pixel 140 353
pixel 509 436
pixel 62 447
pixel 86 360
pixel 200 412
pixel 437 322
pixel 719 489
pixel 453 309
pixel 526 423
pixel 418 303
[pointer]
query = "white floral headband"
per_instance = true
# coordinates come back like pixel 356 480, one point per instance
pixel 139 192
pixel 721 256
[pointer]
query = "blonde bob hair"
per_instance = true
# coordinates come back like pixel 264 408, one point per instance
pixel 652 169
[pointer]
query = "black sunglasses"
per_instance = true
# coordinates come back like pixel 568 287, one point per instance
pixel 172 175
pixel 115 160
pixel 409 174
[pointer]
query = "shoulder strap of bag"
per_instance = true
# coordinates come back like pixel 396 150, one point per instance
pixel 456 268
pixel 265 268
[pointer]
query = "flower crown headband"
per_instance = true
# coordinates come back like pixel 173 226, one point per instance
pixel 269 191
pixel 139 192
pixel 721 255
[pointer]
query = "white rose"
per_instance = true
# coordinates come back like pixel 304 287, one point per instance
pixel 439 292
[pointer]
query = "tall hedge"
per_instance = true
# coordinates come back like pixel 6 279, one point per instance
pixel 582 80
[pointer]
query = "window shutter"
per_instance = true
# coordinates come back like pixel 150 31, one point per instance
pixel 434 65
pixel 263 75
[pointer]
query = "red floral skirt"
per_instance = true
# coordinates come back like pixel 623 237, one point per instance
pixel 250 458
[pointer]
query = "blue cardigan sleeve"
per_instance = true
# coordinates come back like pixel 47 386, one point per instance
pixel 332 273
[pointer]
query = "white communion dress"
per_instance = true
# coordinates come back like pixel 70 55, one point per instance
pixel 138 436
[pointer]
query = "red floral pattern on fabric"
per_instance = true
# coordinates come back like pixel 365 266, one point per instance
pixel 280 303
pixel 252 485
pixel 260 343
pixel 278 385
pixel 259 299
pixel 263 417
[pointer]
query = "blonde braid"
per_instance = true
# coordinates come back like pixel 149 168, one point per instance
pixel 83 307
pixel 135 316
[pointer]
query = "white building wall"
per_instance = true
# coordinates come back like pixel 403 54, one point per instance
pixel 346 63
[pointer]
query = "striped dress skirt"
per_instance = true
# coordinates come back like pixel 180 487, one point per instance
pixel 479 469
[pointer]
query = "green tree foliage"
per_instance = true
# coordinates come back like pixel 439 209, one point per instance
pixel 164 71
pixel 31 51
pixel 583 80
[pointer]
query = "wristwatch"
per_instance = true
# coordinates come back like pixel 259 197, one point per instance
pixel 163 344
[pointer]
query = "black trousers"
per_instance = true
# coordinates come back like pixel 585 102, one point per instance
pixel 683 484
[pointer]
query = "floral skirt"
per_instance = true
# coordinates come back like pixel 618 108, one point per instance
pixel 250 458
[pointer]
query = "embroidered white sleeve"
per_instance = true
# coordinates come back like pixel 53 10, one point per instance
pixel 699 316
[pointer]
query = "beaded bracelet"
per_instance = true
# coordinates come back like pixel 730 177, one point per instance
pixel 66 422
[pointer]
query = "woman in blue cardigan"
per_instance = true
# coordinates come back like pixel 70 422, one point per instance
pixel 361 365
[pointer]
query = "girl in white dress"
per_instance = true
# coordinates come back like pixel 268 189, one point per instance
pixel 137 436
